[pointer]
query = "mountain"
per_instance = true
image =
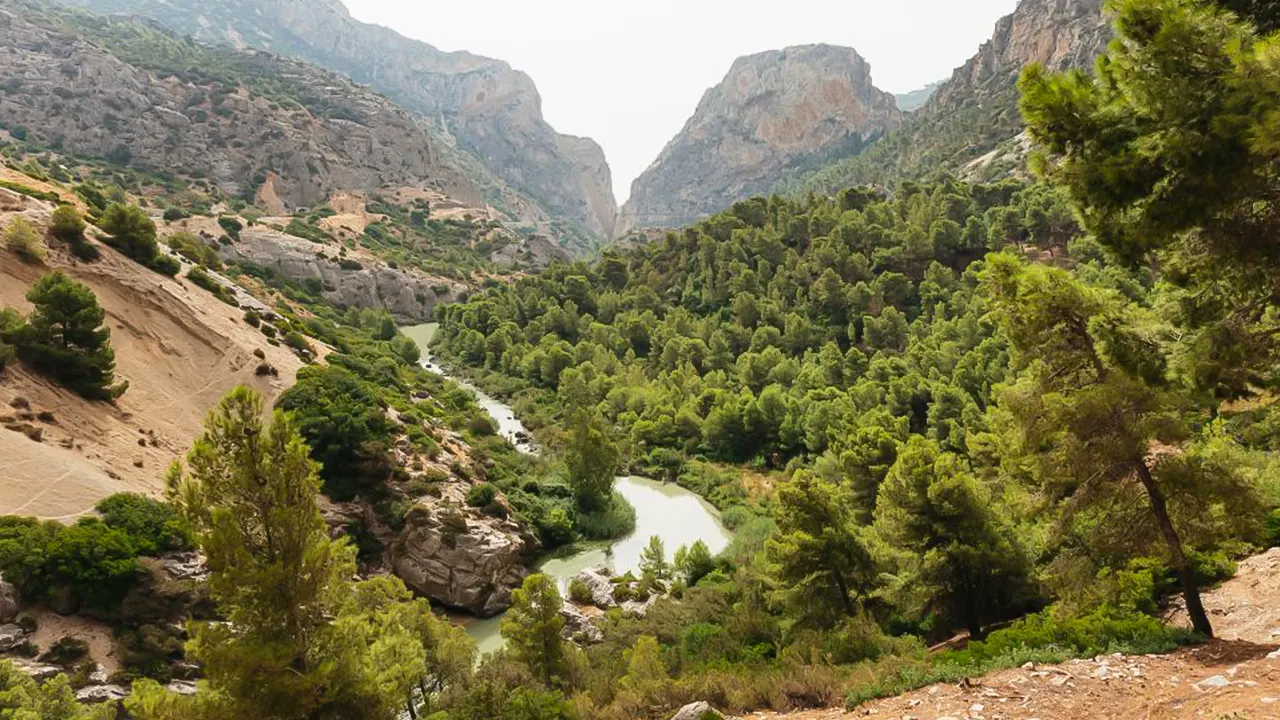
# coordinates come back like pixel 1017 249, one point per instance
pixel 914 100
pixel 971 122
pixel 489 109
pixel 774 113
pixel 250 124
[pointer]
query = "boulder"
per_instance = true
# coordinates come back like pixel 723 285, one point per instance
pixel 639 608
pixel 38 671
pixel 601 586
pixel 9 600
pixel 697 711
pixel 464 562
pixel 11 636
pixel 181 687
pixel 578 627
pixel 94 694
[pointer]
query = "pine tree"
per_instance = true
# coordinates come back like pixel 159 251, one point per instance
pixel 532 628
pixel 694 562
pixel 952 553
pixel 820 564
pixel 64 338
pixel 300 641
pixel 1090 399
pixel 653 561
pixel 592 460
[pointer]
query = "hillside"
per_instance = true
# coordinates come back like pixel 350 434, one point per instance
pixel 490 110
pixel 773 114
pixel 179 347
pixel 973 116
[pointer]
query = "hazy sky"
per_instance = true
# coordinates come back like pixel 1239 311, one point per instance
pixel 629 74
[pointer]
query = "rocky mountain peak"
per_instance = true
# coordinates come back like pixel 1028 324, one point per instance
pixel 773 113
pixel 1057 33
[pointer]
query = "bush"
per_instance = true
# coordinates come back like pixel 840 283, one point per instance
pixel 23 240
pixel 252 319
pixel 130 231
pixel 616 519
pixel 297 341
pixel 192 248
pixel 153 527
pixel 482 495
pixel 67 651
pixel 231 226
pixel 580 592
pixel 200 277
pixel 174 214
pixel 166 265
pixel 348 264
pixel 68 226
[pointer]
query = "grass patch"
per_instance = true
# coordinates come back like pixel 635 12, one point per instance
pixel 615 520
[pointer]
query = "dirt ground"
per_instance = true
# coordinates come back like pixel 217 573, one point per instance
pixel 97 635
pixel 179 348
pixel 1235 677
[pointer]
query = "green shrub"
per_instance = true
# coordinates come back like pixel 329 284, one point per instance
pixel 231 226
pixel 252 319
pixel 130 231
pixel 297 341
pixel 174 214
pixel 203 279
pixel 30 192
pixel 153 526
pixel 68 226
pixel 580 592
pixel 166 265
pixel 23 240
pixel 194 249
pixel 482 495
pixel 616 519
pixel 67 651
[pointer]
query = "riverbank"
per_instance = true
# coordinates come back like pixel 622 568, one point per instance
pixel 674 514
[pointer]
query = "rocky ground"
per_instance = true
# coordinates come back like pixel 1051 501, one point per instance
pixel 1235 677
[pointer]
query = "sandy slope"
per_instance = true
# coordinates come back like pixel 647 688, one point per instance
pixel 1236 677
pixel 179 348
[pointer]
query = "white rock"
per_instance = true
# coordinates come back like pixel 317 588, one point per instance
pixel 1212 683
pixel 696 711
pixel 11 636
pixel 101 693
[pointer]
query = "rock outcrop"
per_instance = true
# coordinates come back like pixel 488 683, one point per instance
pixel 461 561
pixel 9 601
pixel 1057 33
pixel 366 282
pixel 773 114
pixel 93 99
pixel 488 108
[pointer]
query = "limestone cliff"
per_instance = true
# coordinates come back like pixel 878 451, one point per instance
pixel 774 113
pixel 490 109
pixel 115 100
pixel 1057 33
pixel 971 123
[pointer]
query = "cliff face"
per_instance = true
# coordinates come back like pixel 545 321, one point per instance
pixel 489 109
pixel 1057 33
pixel 774 113
pixel 973 117
pixel 80 97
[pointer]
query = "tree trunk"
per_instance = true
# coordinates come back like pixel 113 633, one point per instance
pixel 849 608
pixel 1190 591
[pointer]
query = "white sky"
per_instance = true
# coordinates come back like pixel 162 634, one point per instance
pixel 629 74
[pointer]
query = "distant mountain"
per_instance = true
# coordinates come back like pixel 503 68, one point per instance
pixel 971 122
pixel 490 110
pixel 774 113
pixel 253 125
pixel 914 100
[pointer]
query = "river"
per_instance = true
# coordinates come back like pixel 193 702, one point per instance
pixel 672 513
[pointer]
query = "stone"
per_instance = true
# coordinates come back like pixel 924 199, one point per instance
pixel 1212 682
pixel 11 636
pixel 36 670
pixel 599 583
pixel 185 566
pixel 1273 655
pixel 773 113
pixel 467 563
pixel 9 601
pixel 181 687
pixel 95 694
pixel 408 294
pixel 578 627
pixel 639 608
pixel 697 711
pixel 98 676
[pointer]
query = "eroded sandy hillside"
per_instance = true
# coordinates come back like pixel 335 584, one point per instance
pixel 179 348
